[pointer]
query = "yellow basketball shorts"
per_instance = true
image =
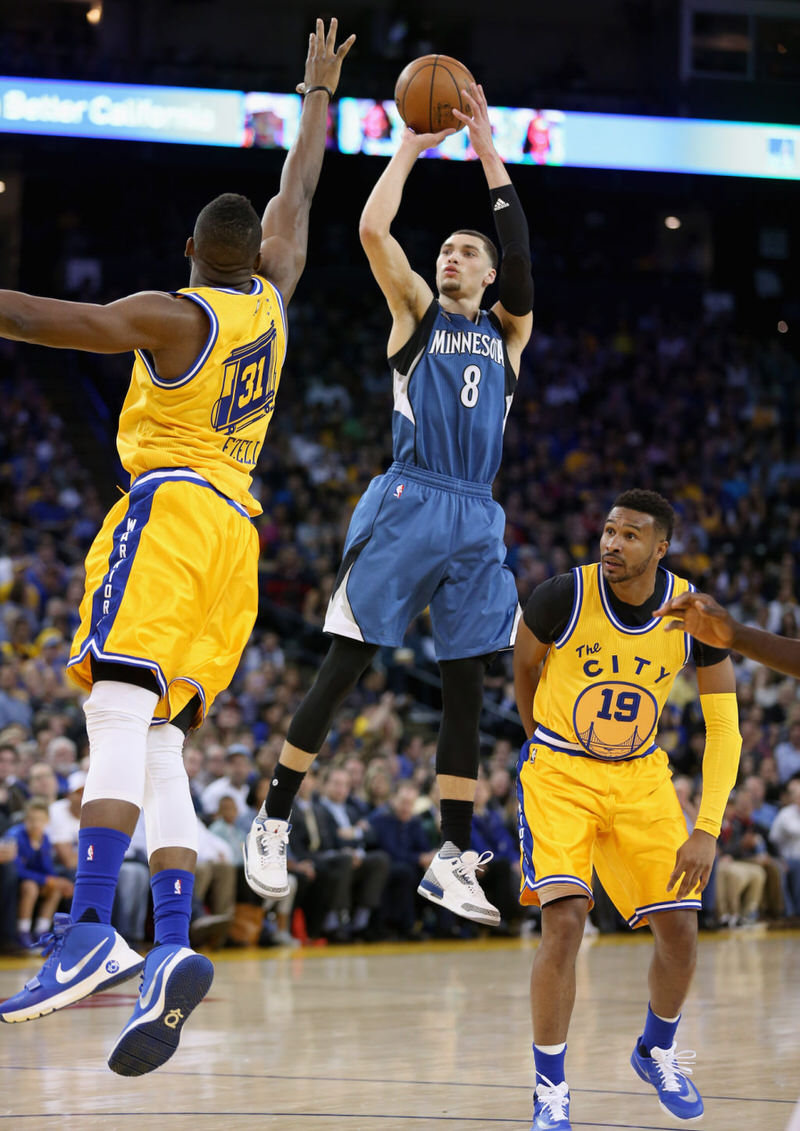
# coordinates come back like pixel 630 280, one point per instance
pixel 621 818
pixel 171 585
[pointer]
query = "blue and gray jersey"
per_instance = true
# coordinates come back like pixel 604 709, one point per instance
pixel 453 387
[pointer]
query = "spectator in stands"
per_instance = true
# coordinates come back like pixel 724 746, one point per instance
pixel 41 890
pixel 324 874
pixel 787 754
pixel 225 825
pixel 742 840
pixel 236 783
pixel 15 790
pixel 194 762
pixel 785 836
pixel 341 829
pixel 402 836
pixel 764 812
pixel 62 754
pixel 65 822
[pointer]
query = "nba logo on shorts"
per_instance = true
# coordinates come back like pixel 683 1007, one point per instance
pixel 177 889
pixel 90 852
pixel 399 489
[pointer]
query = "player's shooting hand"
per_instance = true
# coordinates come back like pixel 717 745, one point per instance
pixel 693 861
pixel 421 142
pixel 700 616
pixel 477 121
pixel 324 59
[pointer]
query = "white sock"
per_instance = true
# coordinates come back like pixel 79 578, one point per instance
pixel 23 926
pixel 551 1050
pixel 40 926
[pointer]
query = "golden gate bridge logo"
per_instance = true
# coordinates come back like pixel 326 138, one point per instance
pixel 613 721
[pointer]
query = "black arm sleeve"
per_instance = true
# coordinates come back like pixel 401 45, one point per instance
pixel 705 656
pixel 549 607
pixel 515 281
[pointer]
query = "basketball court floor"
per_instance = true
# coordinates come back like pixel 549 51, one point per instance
pixel 434 1036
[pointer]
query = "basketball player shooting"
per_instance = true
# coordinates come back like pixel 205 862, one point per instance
pixel 171 579
pixel 593 666
pixel 427 532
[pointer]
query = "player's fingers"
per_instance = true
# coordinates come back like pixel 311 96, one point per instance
pixel 331 38
pixel 675 625
pixel 345 47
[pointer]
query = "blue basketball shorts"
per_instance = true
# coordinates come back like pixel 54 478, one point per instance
pixel 421 540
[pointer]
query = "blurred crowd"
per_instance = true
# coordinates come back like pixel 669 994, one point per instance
pixel 692 408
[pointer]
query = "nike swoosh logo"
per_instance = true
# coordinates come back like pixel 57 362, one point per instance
pixel 144 999
pixel 63 975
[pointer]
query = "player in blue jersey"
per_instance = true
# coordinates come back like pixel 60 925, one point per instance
pixel 427 533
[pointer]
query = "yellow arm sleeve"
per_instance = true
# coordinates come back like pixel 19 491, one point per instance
pixel 721 758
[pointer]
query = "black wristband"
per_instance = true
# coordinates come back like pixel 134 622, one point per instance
pixel 327 90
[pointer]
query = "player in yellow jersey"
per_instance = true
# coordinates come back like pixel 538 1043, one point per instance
pixel 593 666
pixel 171 594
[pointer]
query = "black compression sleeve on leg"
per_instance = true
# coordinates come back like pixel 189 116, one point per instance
pixel 514 281
pixel 458 751
pixel 340 672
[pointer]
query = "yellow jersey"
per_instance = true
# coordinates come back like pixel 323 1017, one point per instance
pixel 214 417
pixel 604 684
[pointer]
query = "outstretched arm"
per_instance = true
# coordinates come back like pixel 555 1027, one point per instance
pixel 705 619
pixel 514 310
pixel 284 225
pixel 407 294
pixel 150 320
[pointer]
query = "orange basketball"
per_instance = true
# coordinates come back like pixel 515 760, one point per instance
pixel 427 91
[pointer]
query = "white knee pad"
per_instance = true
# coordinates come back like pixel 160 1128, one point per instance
pixel 118 717
pixel 169 816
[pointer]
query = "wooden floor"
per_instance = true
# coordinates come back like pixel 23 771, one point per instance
pixel 422 1036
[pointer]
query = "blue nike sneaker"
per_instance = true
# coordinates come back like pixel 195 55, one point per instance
pixel 668 1072
pixel 82 959
pixel 175 979
pixel 551 1107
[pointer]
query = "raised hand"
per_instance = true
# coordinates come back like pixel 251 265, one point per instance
pixel 477 121
pixel 324 59
pixel 421 142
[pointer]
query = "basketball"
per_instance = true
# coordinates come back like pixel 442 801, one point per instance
pixel 427 91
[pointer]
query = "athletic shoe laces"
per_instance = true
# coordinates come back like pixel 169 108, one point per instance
pixel 555 1097
pixel 272 844
pixel 53 943
pixel 53 940
pixel 673 1066
pixel 466 869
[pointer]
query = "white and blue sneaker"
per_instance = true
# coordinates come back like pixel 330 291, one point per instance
pixel 264 851
pixel 82 959
pixel 668 1072
pixel 175 979
pixel 451 881
pixel 551 1106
